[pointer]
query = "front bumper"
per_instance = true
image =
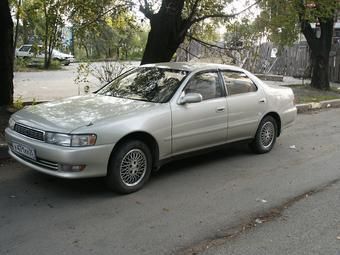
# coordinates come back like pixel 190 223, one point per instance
pixel 50 157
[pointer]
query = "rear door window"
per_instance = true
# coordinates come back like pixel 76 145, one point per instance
pixel 238 83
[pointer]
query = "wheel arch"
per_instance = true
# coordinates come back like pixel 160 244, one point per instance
pixel 277 118
pixel 145 137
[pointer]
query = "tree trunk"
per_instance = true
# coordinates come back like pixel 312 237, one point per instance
pixel 320 64
pixel 117 53
pixel 16 27
pixel 24 31
pixel 87 51
pixel 320 49
pixel 109 53
pixel 46 63
pixel 6 54
pixel 167 32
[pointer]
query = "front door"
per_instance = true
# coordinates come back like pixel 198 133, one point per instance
pixel 204 124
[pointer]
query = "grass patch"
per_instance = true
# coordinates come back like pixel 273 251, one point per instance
pixel 315 99
pixel 307 94
pixel 22 65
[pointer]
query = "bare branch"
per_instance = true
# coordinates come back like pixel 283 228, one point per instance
pixel 193 10
pixel 146 10
pixel 222 15
pixel 212 45
pixel 190 53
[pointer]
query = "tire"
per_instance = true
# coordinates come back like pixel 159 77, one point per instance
pixel 129 167
pixel 265 136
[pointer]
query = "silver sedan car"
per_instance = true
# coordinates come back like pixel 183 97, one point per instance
pixel 146 117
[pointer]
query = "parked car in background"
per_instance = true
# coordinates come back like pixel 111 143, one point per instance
pixel 146 117
pixel 29 51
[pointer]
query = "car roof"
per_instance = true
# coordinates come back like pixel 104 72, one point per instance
pixel 187 66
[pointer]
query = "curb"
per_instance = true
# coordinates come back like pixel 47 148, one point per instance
pixel 335 103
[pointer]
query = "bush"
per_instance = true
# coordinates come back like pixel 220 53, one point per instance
pixel 33 64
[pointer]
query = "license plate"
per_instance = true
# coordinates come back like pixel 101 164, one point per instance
pixel 24 150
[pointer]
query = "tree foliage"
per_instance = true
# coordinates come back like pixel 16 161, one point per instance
pixel 100 28
pixel 283 21
pixel 172 20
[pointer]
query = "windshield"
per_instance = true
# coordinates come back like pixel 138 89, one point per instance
pixel 150 84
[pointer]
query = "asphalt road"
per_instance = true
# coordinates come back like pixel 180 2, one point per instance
pixel 56 84
pixel 186 204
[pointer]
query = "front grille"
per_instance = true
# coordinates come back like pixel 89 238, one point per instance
pixel 30 132
pixel 40 162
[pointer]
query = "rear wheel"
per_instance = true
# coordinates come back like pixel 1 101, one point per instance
pixel 265 136
pixel 130 167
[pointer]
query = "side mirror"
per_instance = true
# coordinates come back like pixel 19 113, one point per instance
pixel 190 98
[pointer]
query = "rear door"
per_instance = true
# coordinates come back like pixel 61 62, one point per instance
pixel 246 105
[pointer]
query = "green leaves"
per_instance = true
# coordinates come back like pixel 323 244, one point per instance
pixel 281 19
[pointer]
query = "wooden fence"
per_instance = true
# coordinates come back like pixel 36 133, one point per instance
pixel 293 61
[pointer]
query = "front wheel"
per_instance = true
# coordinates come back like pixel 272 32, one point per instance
pixel 129 167
pixel 265 136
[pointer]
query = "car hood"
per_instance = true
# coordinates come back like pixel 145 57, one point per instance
pixel 71 113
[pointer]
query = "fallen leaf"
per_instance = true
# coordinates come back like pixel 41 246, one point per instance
pixel 261 200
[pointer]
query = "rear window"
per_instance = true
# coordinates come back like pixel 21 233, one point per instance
pixel 25 48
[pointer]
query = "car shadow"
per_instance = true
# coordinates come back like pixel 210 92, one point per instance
pixel 96 187
pixel 70 188
pixel 190 163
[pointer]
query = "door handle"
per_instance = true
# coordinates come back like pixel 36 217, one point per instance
pixel 262 100
pixel 220 109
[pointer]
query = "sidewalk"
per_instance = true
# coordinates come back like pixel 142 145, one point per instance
pixel 287 80
pixel 310 226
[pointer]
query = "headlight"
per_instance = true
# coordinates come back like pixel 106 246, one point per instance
pixel 70 140
pixel 11 123
pixel 83 140
pixel 58 139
